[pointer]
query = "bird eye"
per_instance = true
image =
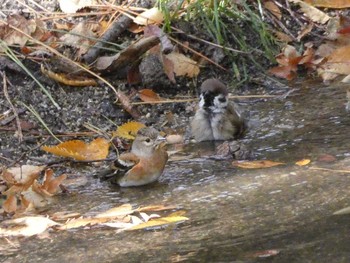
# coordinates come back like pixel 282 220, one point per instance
pixel 222 99
pixel 148 140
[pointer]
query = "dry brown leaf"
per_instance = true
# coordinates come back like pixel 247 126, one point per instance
pixel 183 66
pixel 50 184
pixel 283 37
pixel 303 162
pixel 274 9
pixel 329 3
pixel 128 130
pixel 306 30
pixel 256 164
pixel 22 175
pixel 79 150
pixel 81 37
pixel 11 36
pixel 148 95
pixel 311 12
pixel 150 16
pixel 10 204
pixel 338 62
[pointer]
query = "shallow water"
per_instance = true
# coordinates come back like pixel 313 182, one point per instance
pixel 235 215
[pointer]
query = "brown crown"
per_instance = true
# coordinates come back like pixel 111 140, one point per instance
pixel 214 86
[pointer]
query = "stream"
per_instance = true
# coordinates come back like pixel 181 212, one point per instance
pixel 278 214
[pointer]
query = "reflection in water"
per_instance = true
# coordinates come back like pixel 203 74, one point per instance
pixel 235 214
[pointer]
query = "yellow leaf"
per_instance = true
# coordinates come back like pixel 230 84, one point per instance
pixel 150 16
pixel 79 150
pixel 256 164
pixel 183 65
pixel 159 222
pixel 148 95
pixel 303 162
pixel 128 130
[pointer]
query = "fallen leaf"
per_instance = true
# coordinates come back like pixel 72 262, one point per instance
pixel 155 208
pixel 11 36
pixel 26 226
pixel 148 95
pixel 150 16
pixel 80 222
pixel 79 150
pixel 127 56
pixel 255 164
pixel 274 9
pixel 80 36
pixel 329 3
pixel 50 184
pixel 10 204
pixel 22 175
pixel 128 130
pixel 313 13
pixel 122 210
pixel 303 162
pixel 183 66
pixel 344 211
pixel 66 79
pixel 159 222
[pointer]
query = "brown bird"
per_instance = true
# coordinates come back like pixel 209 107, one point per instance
pixel 145 163
pixel 216 117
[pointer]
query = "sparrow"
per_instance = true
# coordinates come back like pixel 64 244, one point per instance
pixel 145 163
pixel 216 118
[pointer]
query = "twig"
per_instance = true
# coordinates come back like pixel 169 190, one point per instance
pixel 196 99
pixel 15 113
pixel 329 170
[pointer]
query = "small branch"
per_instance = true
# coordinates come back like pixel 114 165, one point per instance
pixel 15 113
pixel 196 99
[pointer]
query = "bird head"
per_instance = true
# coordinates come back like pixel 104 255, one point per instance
pixel 147 141
pixel 214 96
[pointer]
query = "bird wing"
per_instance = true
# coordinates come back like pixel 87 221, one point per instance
pixel 120 167
pixel 126 161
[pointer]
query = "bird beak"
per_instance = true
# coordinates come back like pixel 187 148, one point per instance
pixel 161 141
